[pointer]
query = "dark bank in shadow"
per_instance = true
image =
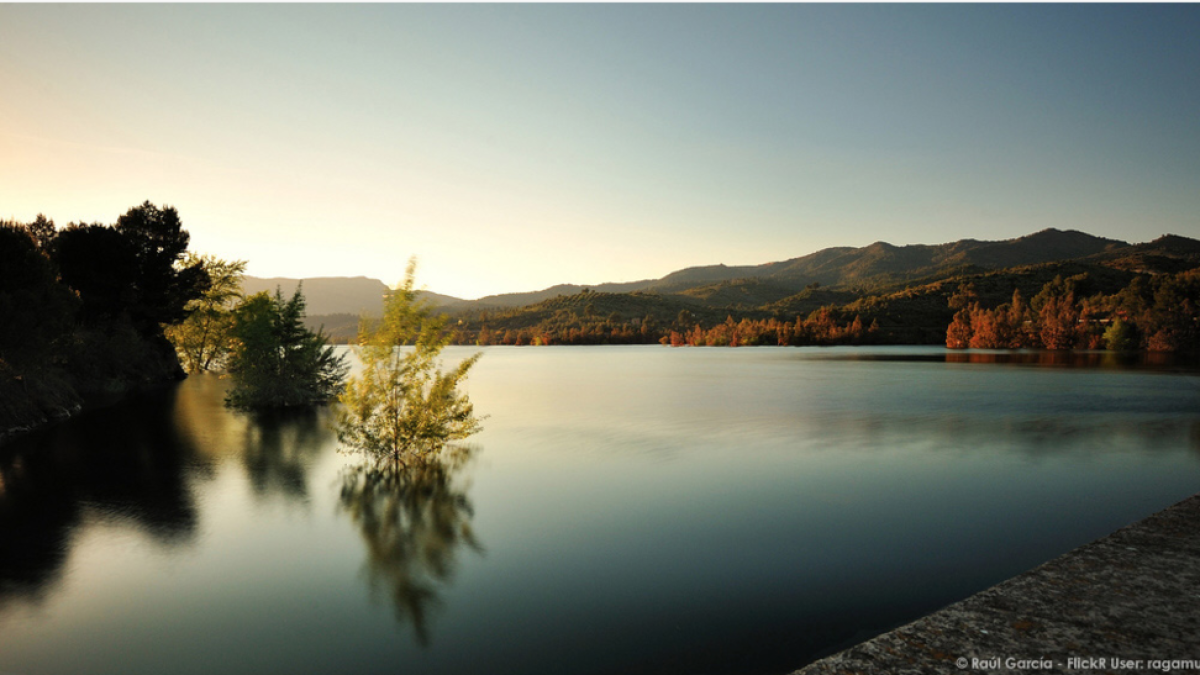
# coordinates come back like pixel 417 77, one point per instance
pixel 128 463
pixel 136 464
pixel 415 521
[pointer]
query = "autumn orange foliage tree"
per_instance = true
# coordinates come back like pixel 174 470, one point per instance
pixel 1158 314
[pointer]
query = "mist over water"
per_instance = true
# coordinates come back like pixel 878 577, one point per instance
pixel 625 510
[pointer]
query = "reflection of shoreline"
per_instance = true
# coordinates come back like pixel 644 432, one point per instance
pixel 413 521
pixel 1141 361
pixel 276 448
pixel 134 462
pixel 1027 434
pixel 130 461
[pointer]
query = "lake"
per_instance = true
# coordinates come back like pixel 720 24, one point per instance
pixel 625 510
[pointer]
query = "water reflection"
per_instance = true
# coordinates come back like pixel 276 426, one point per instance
pixel 978 435
pixel 276 448
pixel 125 464
pixel 414 520
pixel 279 446
pixel 785 501
pixel 1075 359
pixel 1058 359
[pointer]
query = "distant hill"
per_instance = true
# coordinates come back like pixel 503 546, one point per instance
pixel 877 265
pixel 878 280
pixel 326 295
pixel 531 297
pixel 903 290
pixel 1167 254
pixel 339 295
pixel 882 263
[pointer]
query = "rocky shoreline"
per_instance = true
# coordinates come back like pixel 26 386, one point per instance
pixel 54 417
pixel 32 402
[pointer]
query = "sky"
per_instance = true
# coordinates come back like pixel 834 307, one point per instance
pixel 513 147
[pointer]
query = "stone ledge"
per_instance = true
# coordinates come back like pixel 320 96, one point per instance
pixel 1133 595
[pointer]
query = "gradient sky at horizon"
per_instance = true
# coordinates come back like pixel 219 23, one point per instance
pixel 512 147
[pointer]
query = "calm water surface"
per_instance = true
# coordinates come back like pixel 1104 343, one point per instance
pixel 626 510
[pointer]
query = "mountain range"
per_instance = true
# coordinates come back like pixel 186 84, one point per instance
pixel 338 295
pixel 833 276
pixel 881 264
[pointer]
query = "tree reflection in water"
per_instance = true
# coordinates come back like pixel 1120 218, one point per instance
pixel 414 519
pixel 280 445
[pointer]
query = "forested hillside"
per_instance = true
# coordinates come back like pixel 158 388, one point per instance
pixel 903 292
pixel 877 294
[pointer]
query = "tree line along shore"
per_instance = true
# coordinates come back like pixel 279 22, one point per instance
pixel 1077 307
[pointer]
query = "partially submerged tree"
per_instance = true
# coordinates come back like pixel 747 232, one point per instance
pixel 277 362
pixel 402 406
pixel 204 340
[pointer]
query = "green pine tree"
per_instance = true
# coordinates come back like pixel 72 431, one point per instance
pixel 277 362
